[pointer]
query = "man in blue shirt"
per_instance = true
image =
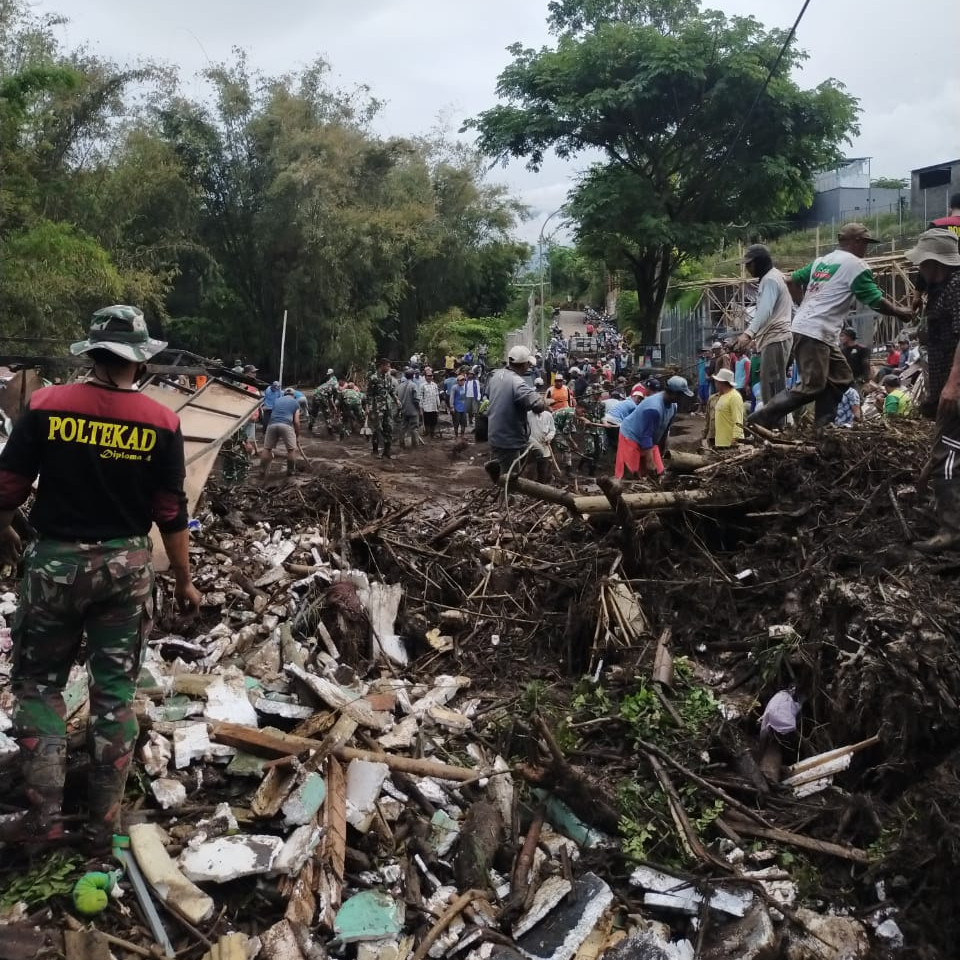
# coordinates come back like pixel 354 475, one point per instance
pixel 284 428
pixel 270 397
pixel 643 434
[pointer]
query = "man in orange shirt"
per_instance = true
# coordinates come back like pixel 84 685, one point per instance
pixel 559 396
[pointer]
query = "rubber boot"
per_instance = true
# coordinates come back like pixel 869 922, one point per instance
pixel 825 406
pixel 291 467
pixel 105 788
pixel 386 452
pixel 44 765
pixel 543 470
pixel 770 413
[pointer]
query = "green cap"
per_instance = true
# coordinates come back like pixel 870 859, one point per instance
pixel 123 331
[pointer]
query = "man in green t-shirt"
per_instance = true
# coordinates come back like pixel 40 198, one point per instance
pixel 832 282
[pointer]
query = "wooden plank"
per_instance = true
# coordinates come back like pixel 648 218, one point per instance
pixel 747 829
pixel 331 874
pixel 85 945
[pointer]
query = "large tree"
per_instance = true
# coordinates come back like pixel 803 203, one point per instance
pixel 697 117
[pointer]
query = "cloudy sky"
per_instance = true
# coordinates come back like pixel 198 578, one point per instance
pixel 436 61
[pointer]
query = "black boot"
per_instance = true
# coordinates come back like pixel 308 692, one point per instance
pixel 774 411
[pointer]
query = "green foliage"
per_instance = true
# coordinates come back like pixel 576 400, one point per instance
pixel 890 183
pixel 453 332
pixel 628 310
pixel 53 876
pixel 659 87
pixel 216 213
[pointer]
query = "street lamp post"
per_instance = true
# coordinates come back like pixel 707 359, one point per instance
pixel 543 304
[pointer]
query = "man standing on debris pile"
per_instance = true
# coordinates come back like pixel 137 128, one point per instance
pixel 284 428
pixel 938 260
pixel 937 257
pixel 644 433
pixel 110 462
pixel 832 283
pixel 511 397
pixel 383 405
pixel 770 326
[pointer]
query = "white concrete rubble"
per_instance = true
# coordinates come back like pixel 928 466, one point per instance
pixel 364 782
pixel 229 858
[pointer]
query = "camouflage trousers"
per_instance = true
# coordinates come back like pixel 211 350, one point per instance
pixel 101 591
pixel 381 422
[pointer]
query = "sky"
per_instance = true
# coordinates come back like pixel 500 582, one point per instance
pixel 435 62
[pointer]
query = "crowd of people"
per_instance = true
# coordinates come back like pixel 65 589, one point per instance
pixel 562 412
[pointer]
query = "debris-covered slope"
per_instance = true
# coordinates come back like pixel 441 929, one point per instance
pixel 509 728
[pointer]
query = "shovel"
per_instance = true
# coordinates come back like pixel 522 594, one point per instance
pixel 306 459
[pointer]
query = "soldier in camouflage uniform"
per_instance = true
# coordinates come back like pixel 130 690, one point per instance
pixel 565 420
pixel 325 403
pixel 595 438
pixel 383 406
pixel 111 463
pixel 351 403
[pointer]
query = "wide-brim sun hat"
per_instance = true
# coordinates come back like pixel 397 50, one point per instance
pixel 122 331
pixel 936 244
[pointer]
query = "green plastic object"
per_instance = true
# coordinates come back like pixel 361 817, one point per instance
pixel 91 893
pixel 371 915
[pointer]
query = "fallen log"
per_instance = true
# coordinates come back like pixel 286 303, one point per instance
pixel 274 743
pixel 589 505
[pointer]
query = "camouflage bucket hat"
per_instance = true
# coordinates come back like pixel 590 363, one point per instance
pixel 123 331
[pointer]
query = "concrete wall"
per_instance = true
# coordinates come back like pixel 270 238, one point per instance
pixel 844 204
pixel 929 202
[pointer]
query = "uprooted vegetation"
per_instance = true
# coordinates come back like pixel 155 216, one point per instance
pixel 619 680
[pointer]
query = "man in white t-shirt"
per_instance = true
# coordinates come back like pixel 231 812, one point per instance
pixel 832 281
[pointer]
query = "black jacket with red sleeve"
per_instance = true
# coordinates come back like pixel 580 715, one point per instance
pixel 110 463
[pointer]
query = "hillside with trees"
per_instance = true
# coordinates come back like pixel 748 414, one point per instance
pixel 218 212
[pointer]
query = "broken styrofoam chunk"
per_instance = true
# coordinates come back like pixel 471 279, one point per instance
pixel 146 842
pixel 297 849
pixel 190 743
pixel 382 604
pixel 500 789
pixel 286 707
pixel 664 890
pixel 451 720
pixel 304 800
pixel 342 698
pixel 889 931
pixel 227 701
pixel 559 935
pixel 781 631
pixel 436 904
pixel 170 794
pixel 364 782
pixel 554 843
pixel 402 736
pixel 548 896
pixel 432 790
pixel 444 831
pixel 444 690
pixel 386 950
pixel 370 915
pixel 229 858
